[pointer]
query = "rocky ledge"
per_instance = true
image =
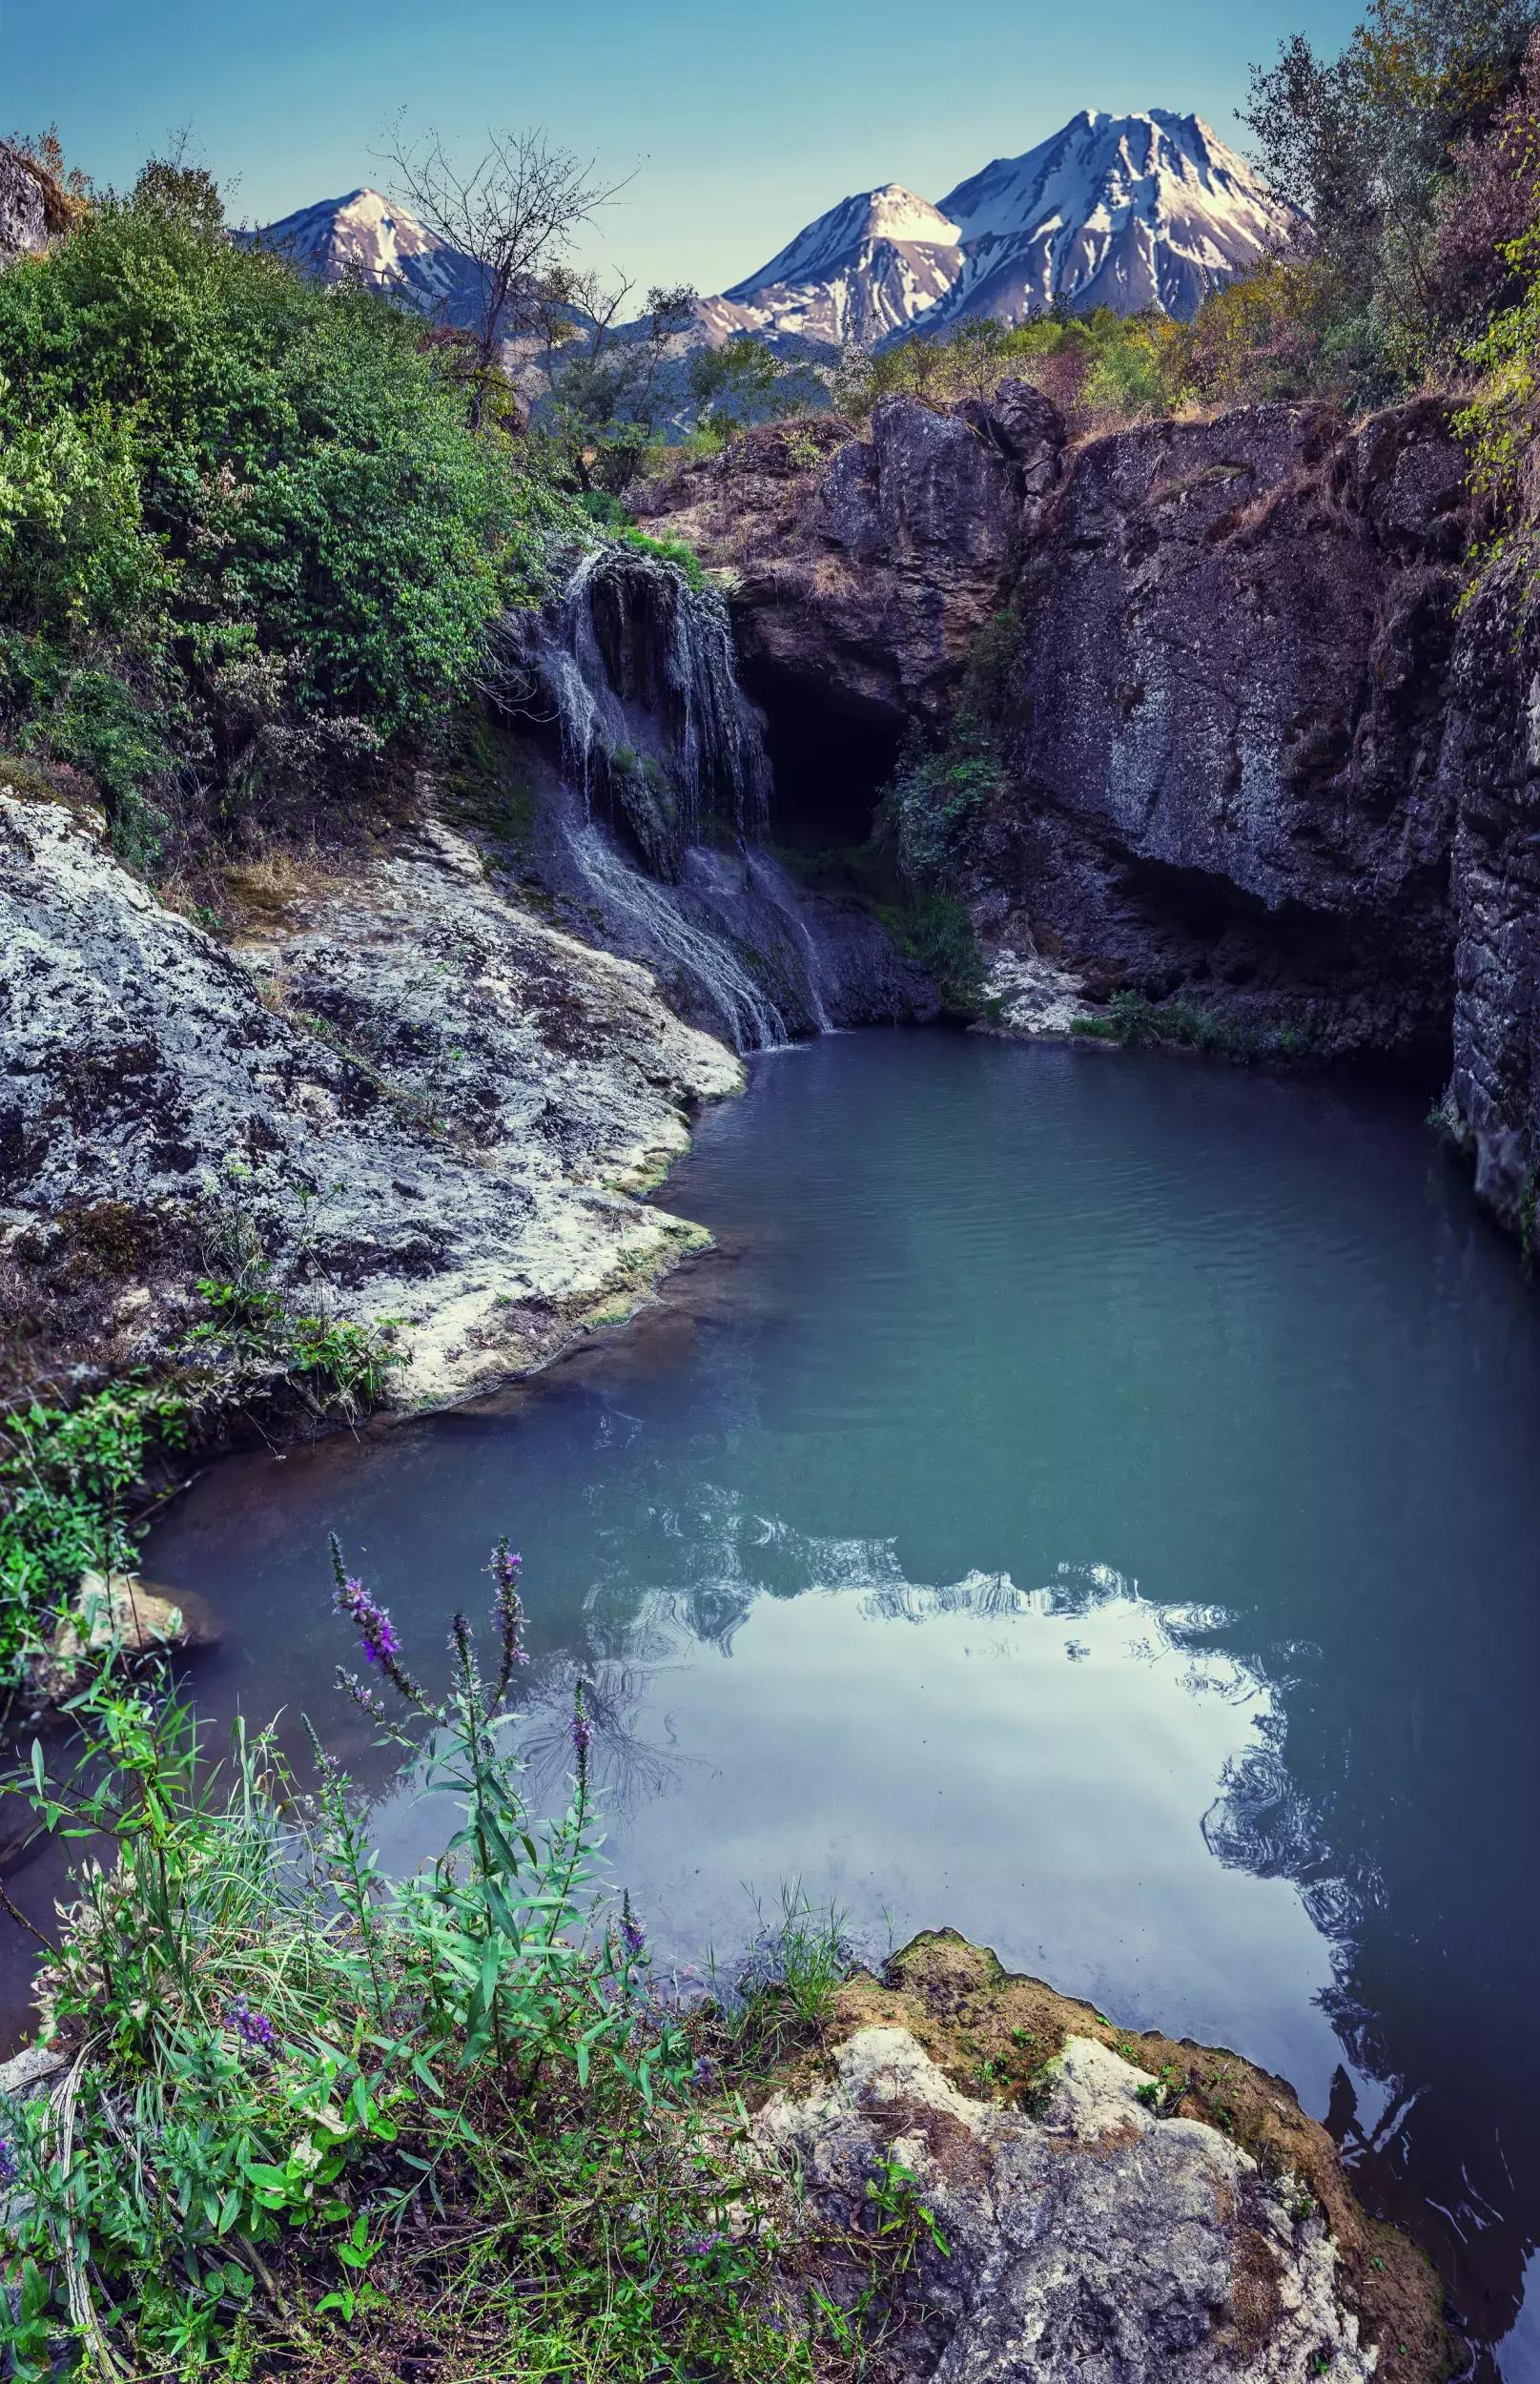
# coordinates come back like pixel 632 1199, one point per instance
pixel 1099 2207
pixel 424 1103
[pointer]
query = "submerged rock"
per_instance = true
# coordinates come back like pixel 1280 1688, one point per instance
pixel 1079 2206
pixel 118 1611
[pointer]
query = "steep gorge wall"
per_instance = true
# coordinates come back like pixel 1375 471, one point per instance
pixel 1251 752
pixel 1489 778
pixel 1224 726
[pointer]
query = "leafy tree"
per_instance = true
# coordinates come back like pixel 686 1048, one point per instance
pixel 608 386
pixel 218 477
pixel 1489 204
pixel 745 382
pixel 1366 142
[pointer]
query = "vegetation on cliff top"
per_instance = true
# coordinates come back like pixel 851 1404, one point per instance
pixel 247 535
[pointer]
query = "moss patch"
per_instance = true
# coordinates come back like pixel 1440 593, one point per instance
pixel 992 2033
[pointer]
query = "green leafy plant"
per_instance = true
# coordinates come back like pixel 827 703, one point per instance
pixel 69 1483
pixel 336 1363
pixel 667 551
pixel 935 930
pixel 285 2065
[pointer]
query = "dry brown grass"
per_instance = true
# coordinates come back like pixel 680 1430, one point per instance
pixel 260 891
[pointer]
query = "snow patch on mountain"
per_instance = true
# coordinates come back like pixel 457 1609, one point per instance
pixel 1148 210
pixel 367 236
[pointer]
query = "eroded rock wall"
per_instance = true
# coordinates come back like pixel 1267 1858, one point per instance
pixel 1490 781
pixel 1225 721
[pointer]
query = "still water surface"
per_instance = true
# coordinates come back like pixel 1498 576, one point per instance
pixel 1091 1501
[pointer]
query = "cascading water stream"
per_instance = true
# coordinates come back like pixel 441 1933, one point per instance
pixel 654 912
pixel 666 788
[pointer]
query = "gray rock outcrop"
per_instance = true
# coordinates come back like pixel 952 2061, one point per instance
pixel 1222 729
pixel 33 207
pixel 1092 2242
pixel 429 1105
pixel 864 567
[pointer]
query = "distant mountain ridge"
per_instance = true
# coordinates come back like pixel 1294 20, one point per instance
pixel 1145 210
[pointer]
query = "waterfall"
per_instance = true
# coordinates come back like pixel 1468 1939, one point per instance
pixel 636 667
pixel 660 925
pixel 664 802
pixel 770 877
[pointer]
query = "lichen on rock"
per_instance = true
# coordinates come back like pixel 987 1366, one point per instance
pixel 1100 2204
pixel 419 1103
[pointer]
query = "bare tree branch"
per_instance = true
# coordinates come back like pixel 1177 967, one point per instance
pixel 514 212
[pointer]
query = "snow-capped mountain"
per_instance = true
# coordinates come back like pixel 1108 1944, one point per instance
pixel 1151 209
pixel 383 244
pixel 866 268
pixel 1121 211
pixel 1126 212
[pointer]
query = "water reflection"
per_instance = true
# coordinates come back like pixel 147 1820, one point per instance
pixel 1100 1514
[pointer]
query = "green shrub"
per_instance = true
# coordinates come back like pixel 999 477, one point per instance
pixel 340 1366
pixel 667 551
pixel 935 930
pixel 1133 1018
pixel 607 509
pixel 72 1479
pixel 230 495
pixel 68 1481
pixel 939 788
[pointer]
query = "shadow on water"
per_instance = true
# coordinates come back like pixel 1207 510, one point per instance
pixel 1092 1502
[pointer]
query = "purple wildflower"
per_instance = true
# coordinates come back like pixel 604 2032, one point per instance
pixel 363 1698
pixel 253 2027
pixel 633 1936
pixel 703 2074
pixel 581 1732
pixel 9 2165
pixel 377 1633
pixel 508 1607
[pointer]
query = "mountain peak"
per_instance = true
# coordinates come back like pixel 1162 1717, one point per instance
pixel 1146 209
pixel 1149 207
pixel 364 232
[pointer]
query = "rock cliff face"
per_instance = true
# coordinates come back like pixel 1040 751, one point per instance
pixel 1489 785
pixel 863 567
pixel 426 1104
pixel 31 206
pixel 1221 732
pixel 1250 753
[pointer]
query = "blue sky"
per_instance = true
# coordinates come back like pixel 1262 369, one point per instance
pixel 742 122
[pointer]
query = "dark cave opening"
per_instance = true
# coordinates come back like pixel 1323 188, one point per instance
pixel 830 763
